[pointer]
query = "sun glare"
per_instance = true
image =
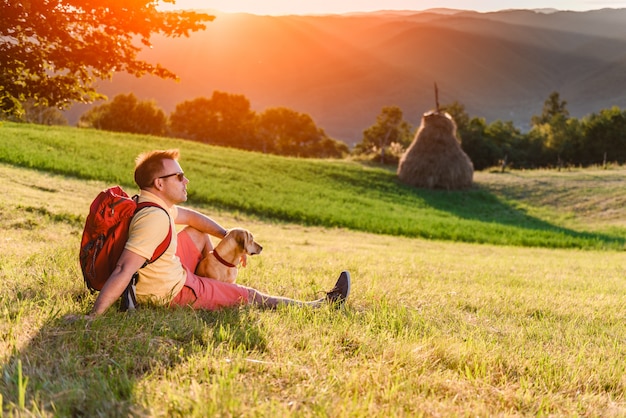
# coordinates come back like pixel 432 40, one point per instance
pixel 278 7
pixel 269 8
pixel 282 7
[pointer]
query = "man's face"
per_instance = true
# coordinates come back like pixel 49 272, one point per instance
pixel 174 182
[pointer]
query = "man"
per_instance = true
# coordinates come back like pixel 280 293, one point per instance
pixel 170 280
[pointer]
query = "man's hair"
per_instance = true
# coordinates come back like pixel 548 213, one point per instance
pixel 149 165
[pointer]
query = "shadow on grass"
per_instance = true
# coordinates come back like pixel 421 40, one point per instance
pixel 480 205
pixel 93 368
pixel 476 214
pixel 376 201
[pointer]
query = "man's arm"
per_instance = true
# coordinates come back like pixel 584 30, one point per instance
pixel 127 265
pixel 200 222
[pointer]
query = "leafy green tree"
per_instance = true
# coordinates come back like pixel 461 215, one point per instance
pixel 224 119
pixel 505 140
pixel 553 108
pixel 390 128
pixel 286 132
pixel 574 151
pixel 472 134
pixel 53 51
pixel 42 115
pixel 487 145
pixel 191 119
pixel 604 136
pixel 553 126
pixel 233 118
pixel 328 147
pixel 460 116
pixel 126 114
pixel 476 144
pixel 531 152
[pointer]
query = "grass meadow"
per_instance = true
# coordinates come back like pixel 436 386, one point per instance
pixel 439 323
pixel 339 193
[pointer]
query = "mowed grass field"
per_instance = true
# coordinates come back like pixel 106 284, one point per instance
pixel 433 327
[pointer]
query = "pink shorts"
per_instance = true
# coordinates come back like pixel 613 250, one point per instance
pixel 201 292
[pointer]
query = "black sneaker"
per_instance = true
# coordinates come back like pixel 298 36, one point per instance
pixel 340 292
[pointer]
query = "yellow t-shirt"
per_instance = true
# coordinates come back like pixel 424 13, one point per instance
pixel 160 281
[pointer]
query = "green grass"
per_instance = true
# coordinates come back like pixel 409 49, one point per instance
pixel 321 193
pixel 432 328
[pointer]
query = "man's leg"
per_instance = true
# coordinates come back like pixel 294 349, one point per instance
pixel 336 296
pixel 201 240
pixel 212 294
pixel 267 301
pixel 203 244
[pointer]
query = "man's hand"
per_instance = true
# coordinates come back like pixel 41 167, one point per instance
pixel 115 285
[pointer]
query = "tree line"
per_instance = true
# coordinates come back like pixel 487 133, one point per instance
pixel 223 119
pixel 555 139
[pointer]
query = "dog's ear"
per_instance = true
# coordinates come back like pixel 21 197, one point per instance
pixel 248 240
pixel 241 239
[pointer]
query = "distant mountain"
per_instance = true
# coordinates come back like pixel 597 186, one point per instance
pixel 342 69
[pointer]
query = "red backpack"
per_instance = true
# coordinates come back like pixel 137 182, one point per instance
pixel 104 237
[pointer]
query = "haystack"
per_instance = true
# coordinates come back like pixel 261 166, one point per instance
pixel 435 160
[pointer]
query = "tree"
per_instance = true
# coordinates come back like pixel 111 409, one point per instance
pixel 604 136
pixel 459 115
pixel 390 128
pixel 286 132
pixel 42 115
pixel 498 143
pixel 553 126
pixel 476 143
pixel 126 114
pixel 224 119
pixel 553 108
pixel 53 51
pixel 234 119
pixel 506 139
pixel 191 119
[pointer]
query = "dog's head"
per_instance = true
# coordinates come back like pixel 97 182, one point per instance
pixel 245 241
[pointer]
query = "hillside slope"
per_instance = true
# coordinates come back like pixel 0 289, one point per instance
pixel 557 209
pixel 343 69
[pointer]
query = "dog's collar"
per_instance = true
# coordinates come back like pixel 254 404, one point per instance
pixel 221 260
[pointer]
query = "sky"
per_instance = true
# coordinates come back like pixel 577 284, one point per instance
pixel 279 7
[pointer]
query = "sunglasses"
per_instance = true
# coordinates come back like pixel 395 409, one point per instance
pixel 180 176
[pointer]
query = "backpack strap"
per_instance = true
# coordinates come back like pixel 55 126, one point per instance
pixel 160 250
